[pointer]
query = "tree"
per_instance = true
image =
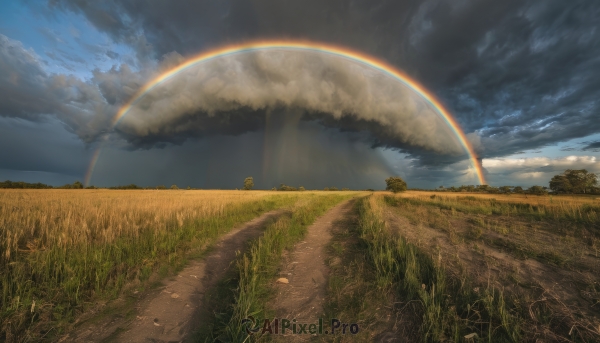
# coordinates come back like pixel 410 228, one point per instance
pixel 301 188
pixel 560 184
pixel 504 189
pixel 174 187
pixel 77 185
pixel 482 188
pixel 284 187
pixel 537 190
pixel 493 190
pixel 161 187
pixel 248 183
pixel 574 181
pixel 395 184
pixel 518 190
pixel 333 188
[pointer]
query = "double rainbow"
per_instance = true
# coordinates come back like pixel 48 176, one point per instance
pixel 305 46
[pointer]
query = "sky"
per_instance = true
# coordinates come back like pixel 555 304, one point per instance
pixel 520 77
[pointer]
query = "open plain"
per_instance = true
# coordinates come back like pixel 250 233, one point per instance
pixel 184 265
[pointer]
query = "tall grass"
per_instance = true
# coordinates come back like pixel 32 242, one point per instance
pixel 60 249
pixel 568 209
pixel 449 308
pixel 258 268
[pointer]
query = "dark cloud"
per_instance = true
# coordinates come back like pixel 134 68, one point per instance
pixel 517 74
pixel 28 92
pixel 112 54
pixel 234 94
pixel 593 146
pixel 567 148
pixel 44 149
pixel 521 73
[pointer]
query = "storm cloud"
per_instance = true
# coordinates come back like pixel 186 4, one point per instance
pixel 234 94
pixel 521 73
pixel 230 95
pixel 518 75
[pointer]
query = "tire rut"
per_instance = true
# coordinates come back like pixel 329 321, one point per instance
pixel 303 297
pixel 173 312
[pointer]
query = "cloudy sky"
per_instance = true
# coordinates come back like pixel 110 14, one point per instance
pixel 520 77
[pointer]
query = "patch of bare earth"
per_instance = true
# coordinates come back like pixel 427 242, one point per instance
pixel 534 281
pixel 172 312
pixel 305 269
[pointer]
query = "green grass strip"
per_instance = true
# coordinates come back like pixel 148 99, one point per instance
pixel 257 268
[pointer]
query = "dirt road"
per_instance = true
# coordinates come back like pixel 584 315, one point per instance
pixel 303 297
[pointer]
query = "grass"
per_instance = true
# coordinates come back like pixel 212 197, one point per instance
pixel 547 233
pixel 65 249
pixel 256 270
pixel 581 210
pixel 424 276
pixel 448 308
pixel 553 299
pixel 354 293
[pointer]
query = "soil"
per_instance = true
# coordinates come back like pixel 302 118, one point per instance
pixel 487 264
pixel 172 312
pixel 305 268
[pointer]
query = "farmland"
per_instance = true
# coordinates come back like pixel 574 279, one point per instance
pixel 62 249
pixel 466 267
pixel 86 265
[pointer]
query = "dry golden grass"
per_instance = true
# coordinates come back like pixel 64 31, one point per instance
pixel 582 209
pixel 61 249
pixel 540 252
pixel 37 219
pixel 551 200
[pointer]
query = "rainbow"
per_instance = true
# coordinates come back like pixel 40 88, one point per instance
pixel 310 46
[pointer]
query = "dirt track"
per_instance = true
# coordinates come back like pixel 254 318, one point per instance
pixel 172 312
pixel 303 298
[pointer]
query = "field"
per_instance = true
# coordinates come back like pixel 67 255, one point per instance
pixel 61 248
pixel 86 265
pixel 467 267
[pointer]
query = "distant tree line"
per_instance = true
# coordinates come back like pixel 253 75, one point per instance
pixel 75 185
pixel 569 182
pixel 537 190
pixel 575 181
pixel 21 184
